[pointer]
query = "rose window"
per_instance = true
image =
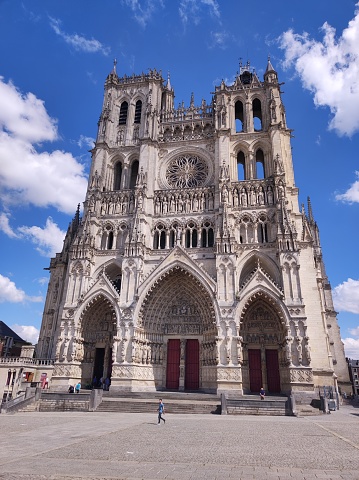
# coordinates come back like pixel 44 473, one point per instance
pixel 187 171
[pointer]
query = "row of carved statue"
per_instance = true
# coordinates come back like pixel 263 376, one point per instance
pixel 294 350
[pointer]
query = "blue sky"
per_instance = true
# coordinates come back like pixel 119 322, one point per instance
pixel 55 57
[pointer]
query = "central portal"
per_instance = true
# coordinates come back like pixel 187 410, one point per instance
pixel 191 364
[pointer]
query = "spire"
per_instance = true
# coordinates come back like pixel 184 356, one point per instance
pixel 114 66
pixel 310 211
pixel 168 81
pixel 270 67
pixel 192 100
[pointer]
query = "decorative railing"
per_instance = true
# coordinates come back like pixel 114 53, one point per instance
pixel 26 361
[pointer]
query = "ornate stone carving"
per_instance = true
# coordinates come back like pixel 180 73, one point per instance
pixel 301 375
pixel 229 374
pixel 187 171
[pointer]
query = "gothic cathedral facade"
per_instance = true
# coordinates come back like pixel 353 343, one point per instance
pixel 193 266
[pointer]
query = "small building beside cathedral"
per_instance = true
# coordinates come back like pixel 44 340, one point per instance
pixel 193 267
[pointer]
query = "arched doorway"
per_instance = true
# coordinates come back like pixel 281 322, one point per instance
pixel 97 329
pixel 178 314
pixel 263 334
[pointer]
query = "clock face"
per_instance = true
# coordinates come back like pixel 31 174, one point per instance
pixel 187 171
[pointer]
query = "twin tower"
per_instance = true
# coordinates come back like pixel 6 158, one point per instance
pixel 193 266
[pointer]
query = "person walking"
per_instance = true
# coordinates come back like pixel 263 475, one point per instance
pixel 161 411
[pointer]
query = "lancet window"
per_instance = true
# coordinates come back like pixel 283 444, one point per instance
pixel 239 116
pixel 134 173
pixel 257 115
pixel 138 110
pixel 207 235
pixel 107 238
pixel 118 176
pixel 123 113
pixel 159 238
pixel 191 235
pixel 241 166
pixel 260 170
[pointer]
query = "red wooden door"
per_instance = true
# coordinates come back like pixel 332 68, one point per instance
pixel 192 365
pixel 255 370
pixel 273 378
pixel 173 364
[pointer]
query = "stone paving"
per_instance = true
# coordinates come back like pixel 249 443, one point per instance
pixel 74 446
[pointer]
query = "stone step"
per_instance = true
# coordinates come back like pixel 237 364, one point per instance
pixel 169 395
pixel 147 406
pixel 252 405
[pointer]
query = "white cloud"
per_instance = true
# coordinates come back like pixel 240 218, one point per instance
pixel 143 11
pixel 24 117
pixel 79 42
pixel 48 240
pixel 191 10
pixel 330 70
pixel 219 39
pixel 10 293
pixel 346 296
pixel 351 347
pixel 5 226
pixel 352 194
pixel 26 332
pixel 27 176
pixel 85 141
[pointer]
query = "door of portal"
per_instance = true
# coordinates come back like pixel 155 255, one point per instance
pixel 273 377
pixel 173 364
pixel 192 365
pixel 255 370
pixel 99 363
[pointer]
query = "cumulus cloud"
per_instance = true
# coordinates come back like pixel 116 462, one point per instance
pixel 143 11
pixel 191 10
pixel 352 194
pixel 10 293
pixel 27 176
pixel 330 70
pixel 78 42
pixel 5 226
pixel 28 333
pixel 48 240
pixel 85 141
pixel 346 296
pixel 351 347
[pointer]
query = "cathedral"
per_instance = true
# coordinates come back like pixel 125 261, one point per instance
pixel 193 266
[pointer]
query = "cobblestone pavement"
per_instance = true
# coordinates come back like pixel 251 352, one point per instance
pixel 74 446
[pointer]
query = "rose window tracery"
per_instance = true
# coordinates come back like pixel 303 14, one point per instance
pixel 187 171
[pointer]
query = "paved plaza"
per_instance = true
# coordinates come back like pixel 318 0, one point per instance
pixel 73 446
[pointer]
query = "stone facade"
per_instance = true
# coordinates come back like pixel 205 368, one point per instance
pixel 193 266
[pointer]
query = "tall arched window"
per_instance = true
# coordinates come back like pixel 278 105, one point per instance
pixel 239 116
pixel 138 110
pixel 191 236
pixel 118 176
pixel 123 113
pixel 159 238
pixel 241 163
pixel 257 115
pixel 110 241
pixel 134 173
pixel 207 238
pixel 260 172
